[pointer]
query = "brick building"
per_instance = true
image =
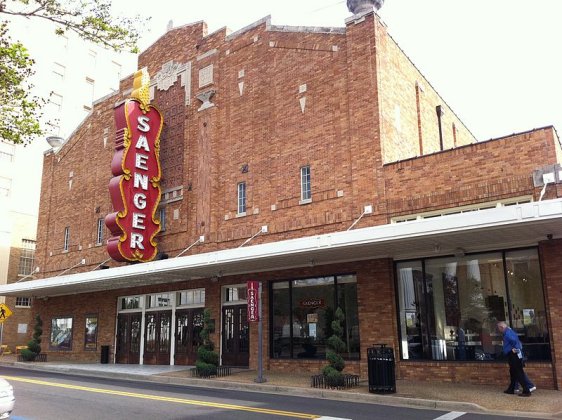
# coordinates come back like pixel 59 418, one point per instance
pixel 320 162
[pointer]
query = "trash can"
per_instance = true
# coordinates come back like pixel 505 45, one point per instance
pixel 104 355
pixel 380 363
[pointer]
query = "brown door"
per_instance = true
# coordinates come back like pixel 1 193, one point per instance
pixel 157 341
pixel 235 337
pixel 189 323
pixel 128 338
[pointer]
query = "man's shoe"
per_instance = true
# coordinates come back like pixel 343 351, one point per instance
pixel 509 391
pixel 525 394
pixel 533 388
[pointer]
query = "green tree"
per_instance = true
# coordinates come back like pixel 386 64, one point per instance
pixel 34 345
pixel 336 346
pixel 20 111
pixel 207 359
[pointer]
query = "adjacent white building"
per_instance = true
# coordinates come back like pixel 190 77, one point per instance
pixel 70 74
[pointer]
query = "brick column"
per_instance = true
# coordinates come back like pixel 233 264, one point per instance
pixel 551 265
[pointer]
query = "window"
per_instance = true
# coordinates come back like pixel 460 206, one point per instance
pixel 90 85
pixel 7 152
pixel 306 194
pixel 23 302
pixel 302 315
pixel 162 214
pixel 99 235
pixel 58 72
pixel 55 103
pixel 242 198
pixel 235 294
pixel 130 302
pixel 160 300
pixel 449 307
pixel 5 186
pixel 66 238
pixel 27 257
pixel 61 334
pixel 190 297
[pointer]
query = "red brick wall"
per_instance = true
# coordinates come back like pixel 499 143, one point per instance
pixel 551 265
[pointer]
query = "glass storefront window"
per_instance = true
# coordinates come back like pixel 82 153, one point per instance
pixel 449 307
pixel 303 311
pixel 160 300
pixel 130 302
pixel 528 316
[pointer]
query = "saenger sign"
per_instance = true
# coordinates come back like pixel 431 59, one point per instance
pixel 135 186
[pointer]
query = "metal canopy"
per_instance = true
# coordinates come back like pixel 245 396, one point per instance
pixel 498 228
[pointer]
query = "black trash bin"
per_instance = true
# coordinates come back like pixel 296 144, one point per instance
pixel 380 363
pixel 104 355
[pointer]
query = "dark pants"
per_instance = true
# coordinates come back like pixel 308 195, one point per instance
pixel 516 372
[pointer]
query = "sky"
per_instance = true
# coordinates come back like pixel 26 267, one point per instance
pixel 496 63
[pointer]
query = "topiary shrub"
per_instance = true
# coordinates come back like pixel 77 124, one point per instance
pixel 33 346
pixel 207 358
pixel 333 372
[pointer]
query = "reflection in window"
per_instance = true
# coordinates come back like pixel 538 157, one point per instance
pixel 449 307
pixel 303 311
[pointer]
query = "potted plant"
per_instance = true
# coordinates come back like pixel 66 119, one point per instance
pixel 333 372
pixel 207 358
pixel 33 346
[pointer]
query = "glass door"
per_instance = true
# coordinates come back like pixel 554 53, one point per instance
pixel 235 336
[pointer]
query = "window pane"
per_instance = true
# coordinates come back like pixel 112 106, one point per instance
pixel 242 197
pixel 412 309
pixel 305 183
pixel 527 303
pixel 313 312
pixel 281 320
pixel 469 298
pixel 347 301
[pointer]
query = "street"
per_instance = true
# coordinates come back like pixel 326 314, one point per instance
pixel 44 396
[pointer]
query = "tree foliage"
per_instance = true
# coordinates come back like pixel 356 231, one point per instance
pixel 20 111
pixel 207 358
pixel 34 345
pixel 336 346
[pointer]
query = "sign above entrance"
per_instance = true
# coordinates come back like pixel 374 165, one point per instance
pixel 135 186
pixel 253 288
pixel 5 312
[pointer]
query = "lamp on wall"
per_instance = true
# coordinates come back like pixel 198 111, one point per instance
pixel 198 241
pixel 55 141
pixel 366 210
pixel 101 265
pixel 262 230
pixel 82 262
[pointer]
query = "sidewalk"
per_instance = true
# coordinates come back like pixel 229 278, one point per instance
pixel 441 396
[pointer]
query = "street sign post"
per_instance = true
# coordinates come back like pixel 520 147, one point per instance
pixel 254 290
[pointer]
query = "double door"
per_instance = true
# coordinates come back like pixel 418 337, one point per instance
pixel 128 338
pixel 157 337
pixel 235 336
pixel 189 323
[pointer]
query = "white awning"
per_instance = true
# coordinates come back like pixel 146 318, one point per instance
pixel 498 228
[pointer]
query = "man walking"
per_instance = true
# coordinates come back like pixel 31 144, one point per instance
pixel 512 349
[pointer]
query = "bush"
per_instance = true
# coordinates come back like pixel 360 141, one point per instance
pixel 33 346
pixel 207 358
pixel 335 345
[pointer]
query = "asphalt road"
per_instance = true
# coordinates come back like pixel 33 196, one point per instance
pixel 45 396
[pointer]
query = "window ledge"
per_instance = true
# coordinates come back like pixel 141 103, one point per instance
pixel 241 214
pixel 305 201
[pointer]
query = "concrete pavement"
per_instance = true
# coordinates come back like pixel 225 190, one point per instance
pixel 441 396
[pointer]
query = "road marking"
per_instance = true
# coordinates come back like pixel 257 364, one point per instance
pixel 166 399
pixel 331 418
pixel 450 416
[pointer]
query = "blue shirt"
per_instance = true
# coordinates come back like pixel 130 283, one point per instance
pixel 510 341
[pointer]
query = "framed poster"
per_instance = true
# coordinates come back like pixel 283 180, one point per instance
pixel 91 332
pixel 61 334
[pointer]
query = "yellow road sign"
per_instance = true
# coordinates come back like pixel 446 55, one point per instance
pixel 5 312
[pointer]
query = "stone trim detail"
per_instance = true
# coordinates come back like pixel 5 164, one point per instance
pixel 168 76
